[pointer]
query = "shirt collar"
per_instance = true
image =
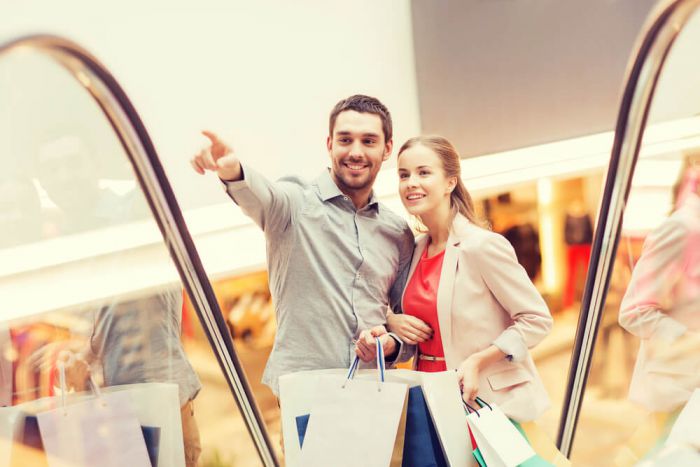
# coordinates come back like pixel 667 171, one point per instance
pixel 329 190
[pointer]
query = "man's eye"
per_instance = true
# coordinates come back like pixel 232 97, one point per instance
pixel 369 142
pixel 344 140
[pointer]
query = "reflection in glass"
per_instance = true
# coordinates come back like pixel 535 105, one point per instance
pixel 90 295
pixel 646 363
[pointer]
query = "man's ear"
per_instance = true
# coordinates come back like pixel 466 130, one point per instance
pixel 387 149
pixel 329 143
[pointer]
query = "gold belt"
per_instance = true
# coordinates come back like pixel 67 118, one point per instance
pixel 431 358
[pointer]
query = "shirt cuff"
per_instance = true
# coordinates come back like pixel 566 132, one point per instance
pixel 394 359
pixel 232 186
pixel 511 344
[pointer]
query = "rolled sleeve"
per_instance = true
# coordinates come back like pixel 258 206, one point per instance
pixel 651 291
pixel 511 344
pixel 268 204
pixel 405 352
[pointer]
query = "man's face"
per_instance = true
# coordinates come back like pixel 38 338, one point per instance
pixel 67 174
pixel 357 149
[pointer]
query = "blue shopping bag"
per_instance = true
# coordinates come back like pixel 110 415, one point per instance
pixel 421 443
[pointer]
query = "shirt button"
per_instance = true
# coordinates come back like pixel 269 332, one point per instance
pixel 346 198
pixel 358 276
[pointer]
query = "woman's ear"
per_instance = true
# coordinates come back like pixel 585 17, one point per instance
pixel 451 184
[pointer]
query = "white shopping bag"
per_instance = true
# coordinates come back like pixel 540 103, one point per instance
pixel 101 431
pixel 365 414
pixel 444 399
pixel 343 411
pixel 154 404
pixel 499 442
pixel 348 412
pixel 685 430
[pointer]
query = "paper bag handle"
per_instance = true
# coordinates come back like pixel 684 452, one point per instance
pixel 380 364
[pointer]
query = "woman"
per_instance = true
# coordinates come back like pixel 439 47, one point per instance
pixel 468 305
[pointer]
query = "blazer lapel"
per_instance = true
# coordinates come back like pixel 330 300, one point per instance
pixel 421 243
pixel 447 283
pixel 445 292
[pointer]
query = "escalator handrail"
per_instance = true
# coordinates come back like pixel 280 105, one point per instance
pixel 127 124
pixel 653 45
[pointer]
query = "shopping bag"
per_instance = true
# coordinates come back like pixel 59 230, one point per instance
pixel 302 423
pixel 156 406
pixel 499 442
pixel 421 446
pixel 686 429
pixel 444 399
pixel 100 431
pixel 346 411
pixel 354 412
pixel 440 390
pixel 421 442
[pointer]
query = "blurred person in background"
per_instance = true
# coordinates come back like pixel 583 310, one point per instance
pixel 662 304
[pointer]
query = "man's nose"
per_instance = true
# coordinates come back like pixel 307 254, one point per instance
pixel 356 149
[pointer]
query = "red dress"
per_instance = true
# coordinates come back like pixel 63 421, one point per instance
pixel 420 300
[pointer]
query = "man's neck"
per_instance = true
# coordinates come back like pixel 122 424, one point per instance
pixel 359 198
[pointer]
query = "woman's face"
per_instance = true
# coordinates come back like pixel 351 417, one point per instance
pixel 423 186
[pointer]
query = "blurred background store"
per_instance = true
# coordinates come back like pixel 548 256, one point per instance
pixel 528 90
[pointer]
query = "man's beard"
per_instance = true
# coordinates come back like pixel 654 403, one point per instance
pixel 355 183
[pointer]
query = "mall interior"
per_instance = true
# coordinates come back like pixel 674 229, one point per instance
pixel 579 137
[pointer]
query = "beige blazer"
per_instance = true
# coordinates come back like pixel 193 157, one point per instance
pixel 485 297
pixel 662 308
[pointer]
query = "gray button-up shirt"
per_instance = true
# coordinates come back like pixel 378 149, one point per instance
pixel 138 341
pixel 333 269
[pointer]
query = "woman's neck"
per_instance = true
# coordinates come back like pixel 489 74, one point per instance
pixel 438 223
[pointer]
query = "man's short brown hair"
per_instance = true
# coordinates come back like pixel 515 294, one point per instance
pixel 363 104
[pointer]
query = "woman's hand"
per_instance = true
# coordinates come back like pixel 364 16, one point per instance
pixel 468 377
pixel 410 329
pixel 468 372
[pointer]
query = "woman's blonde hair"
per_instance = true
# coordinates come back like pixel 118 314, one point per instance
pixel 460 199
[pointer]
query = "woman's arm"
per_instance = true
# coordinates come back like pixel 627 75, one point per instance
pixel 410 329
pixel 510 285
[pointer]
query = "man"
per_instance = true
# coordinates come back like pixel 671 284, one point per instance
pixel 336 256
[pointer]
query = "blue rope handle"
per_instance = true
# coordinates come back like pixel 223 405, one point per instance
pixel 353 368
pixel 380 359
pixel 380 363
